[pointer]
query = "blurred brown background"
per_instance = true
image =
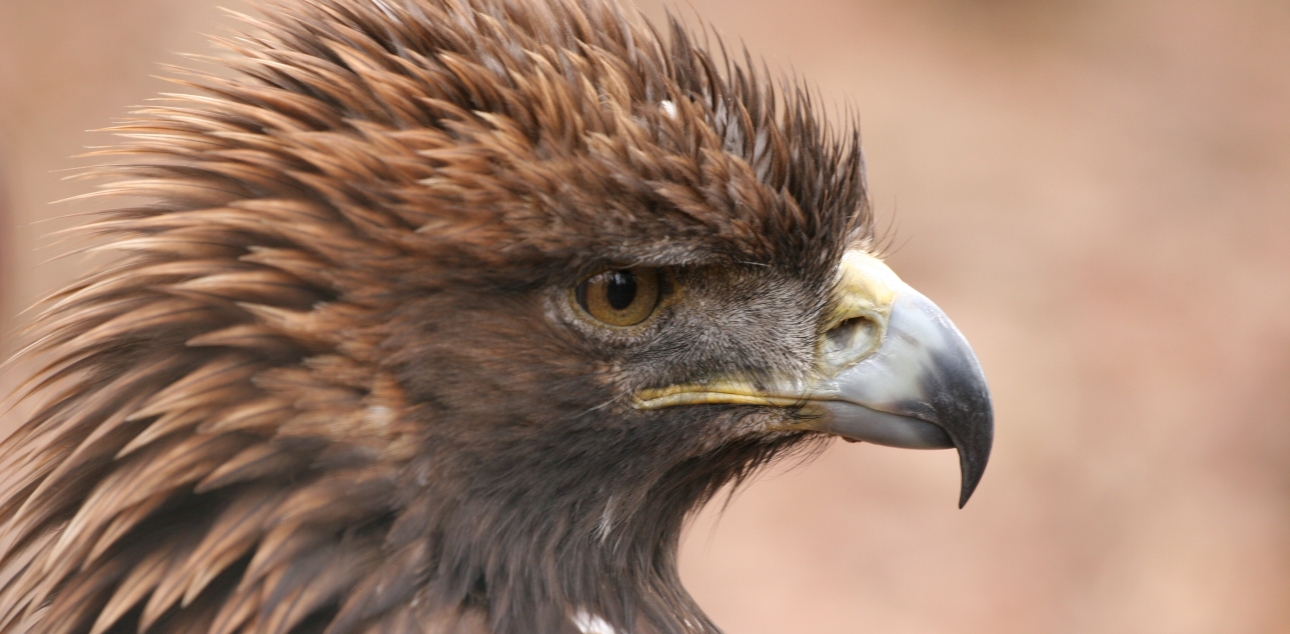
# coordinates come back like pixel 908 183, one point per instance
pixel 1097 191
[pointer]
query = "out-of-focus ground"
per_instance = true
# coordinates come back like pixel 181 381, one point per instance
pixel 1097 191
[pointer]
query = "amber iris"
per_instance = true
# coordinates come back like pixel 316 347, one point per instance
pixel 620 297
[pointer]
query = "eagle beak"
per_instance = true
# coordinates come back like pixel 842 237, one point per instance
pixel 893 370
pixel 921 388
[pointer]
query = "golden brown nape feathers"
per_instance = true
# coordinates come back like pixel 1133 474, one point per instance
pixel 441 316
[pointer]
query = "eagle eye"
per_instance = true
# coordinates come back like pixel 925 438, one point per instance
pixel 620 297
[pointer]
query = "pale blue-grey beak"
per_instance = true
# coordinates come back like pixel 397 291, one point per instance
pixel 921 389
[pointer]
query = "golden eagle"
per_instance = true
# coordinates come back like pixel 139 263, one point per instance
pixel 440 316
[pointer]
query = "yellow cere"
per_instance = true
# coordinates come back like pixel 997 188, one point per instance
pixel 866 290
pixel 866 287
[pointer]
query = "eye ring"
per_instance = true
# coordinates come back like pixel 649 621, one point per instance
pixel 620 297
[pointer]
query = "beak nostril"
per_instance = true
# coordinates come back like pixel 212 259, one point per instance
pixel 841 336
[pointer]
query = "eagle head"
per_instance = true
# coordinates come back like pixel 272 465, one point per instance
pixel 441 316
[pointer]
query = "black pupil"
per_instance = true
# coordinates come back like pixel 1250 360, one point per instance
pixel 621 289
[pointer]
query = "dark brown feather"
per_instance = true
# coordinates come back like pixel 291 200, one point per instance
pixel 318 392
